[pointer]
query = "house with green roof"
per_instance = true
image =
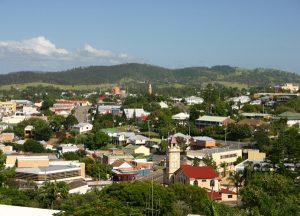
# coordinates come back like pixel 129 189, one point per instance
pixel 292 118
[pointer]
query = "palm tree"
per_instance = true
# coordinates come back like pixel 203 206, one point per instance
pixel 237 179
pixel 51 192
pixel 248 171
pixel 224 166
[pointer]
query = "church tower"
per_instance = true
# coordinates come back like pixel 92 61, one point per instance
pixel 173 161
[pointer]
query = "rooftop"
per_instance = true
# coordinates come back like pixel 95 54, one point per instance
pixel 49 169
pixel 26 211
pixel 214 150
pixel 212 118
pixel 199 172
pixel 205 138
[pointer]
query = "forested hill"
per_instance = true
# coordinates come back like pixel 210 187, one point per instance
pixel 148 73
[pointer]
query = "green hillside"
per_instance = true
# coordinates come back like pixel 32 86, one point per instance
pixel 139 73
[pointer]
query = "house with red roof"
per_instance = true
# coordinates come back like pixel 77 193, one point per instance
pixel 201 176
pixel 223 195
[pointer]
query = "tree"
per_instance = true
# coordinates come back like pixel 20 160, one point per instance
pixel 237 179
pixel 262 139
pixel 224 165
pixel 271 194
pixel 51 192
pixel 42 131
pixel 56 122
pixel 209 161
pixel 5 173
pixel 70 121
pixel 94 168
pixel 237 132
pixel 101 139
pixel 47 103
pixel 71 156
pixel 181 143
pixel 33 146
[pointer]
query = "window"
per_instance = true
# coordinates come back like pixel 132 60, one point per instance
pixel 195 183
pixel 203 180
pixel 228 156
pixel 229 196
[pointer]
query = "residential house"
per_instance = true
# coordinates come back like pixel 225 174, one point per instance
pixel 200 176
pixel 289 87
pixel 7 137
pixel 223 195
pixel 137 140
pixel 64 148
pixel 194 100
pixel 10 106
pixel 292 118
pixel 15 119
pixel 200 142
pixel 136 113
pixel 21 103
pixel 137 149
pixel 256 115
pixel 82 127
pixel 121 165
pixel 181 118
pixel 109 158
pixel 107 109
pixel 205 121
pixel 121 138
pixel 240 99
pixel 6 149
pixel 163 105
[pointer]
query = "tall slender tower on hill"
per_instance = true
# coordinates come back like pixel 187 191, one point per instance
pixel 150 89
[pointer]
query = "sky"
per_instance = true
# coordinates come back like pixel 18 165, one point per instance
pixel 56 35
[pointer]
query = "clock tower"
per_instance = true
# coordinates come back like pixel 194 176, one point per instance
pixel 173 160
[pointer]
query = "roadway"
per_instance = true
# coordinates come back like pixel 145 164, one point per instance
pixel 82 113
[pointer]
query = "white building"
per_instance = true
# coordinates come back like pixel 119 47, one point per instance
pixel 63 148
pixel 241 99
pixel 181 116
pixel 194 100
pixel 138 113
pixel 138 140
pixel 163 105
pixel 30 110
pixel 82 127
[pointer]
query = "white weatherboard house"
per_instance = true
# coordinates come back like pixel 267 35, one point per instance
pixel 163 105
pixel 138 113
pixel 82 127
pixel 181 116
pixel 194 100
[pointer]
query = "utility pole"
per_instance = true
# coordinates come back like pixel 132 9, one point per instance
pixel 148 129
pixel 225 134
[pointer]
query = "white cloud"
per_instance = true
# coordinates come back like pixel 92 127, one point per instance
pixel 39 53
pixel 33 46
pixel 93 52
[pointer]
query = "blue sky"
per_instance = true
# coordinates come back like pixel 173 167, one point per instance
pixel 61 34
